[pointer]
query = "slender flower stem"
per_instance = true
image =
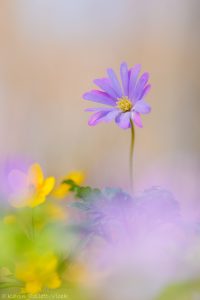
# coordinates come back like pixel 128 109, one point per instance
pixel 131 153
pixel 33 223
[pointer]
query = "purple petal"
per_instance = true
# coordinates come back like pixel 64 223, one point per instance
pixel 100 97
pixel 115 82
pixel 142 107
pixel 137 119
pixel 17 180
pixel 124 77
pixel 129 76
pixel 112 115
pixel 97 117
pixel 103 116
pixel 145 91
pixel 96 109
pixel 140 86
pixel 105 85
pixel 134 73
pixel 123 120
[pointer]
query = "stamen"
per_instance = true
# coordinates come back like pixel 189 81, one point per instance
pixel 124 103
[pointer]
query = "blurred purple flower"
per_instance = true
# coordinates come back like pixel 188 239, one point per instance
pixel 142 237
pixel 115 215
pixel 11 179
pixel 126 102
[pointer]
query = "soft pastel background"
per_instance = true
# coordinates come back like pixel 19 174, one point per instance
pixel 50 50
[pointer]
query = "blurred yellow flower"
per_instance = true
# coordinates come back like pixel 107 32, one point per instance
pixel 63 189
pixel 9 219
pixel 55 212
pixel 38 272
pixel 35 188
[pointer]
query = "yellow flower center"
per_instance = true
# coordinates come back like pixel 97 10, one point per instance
pixel 124 104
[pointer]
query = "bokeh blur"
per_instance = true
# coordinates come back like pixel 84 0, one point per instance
pixel 51 50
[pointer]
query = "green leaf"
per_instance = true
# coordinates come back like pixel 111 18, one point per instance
pixel 82 192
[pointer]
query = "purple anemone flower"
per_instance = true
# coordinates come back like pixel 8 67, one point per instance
pixel 126 101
